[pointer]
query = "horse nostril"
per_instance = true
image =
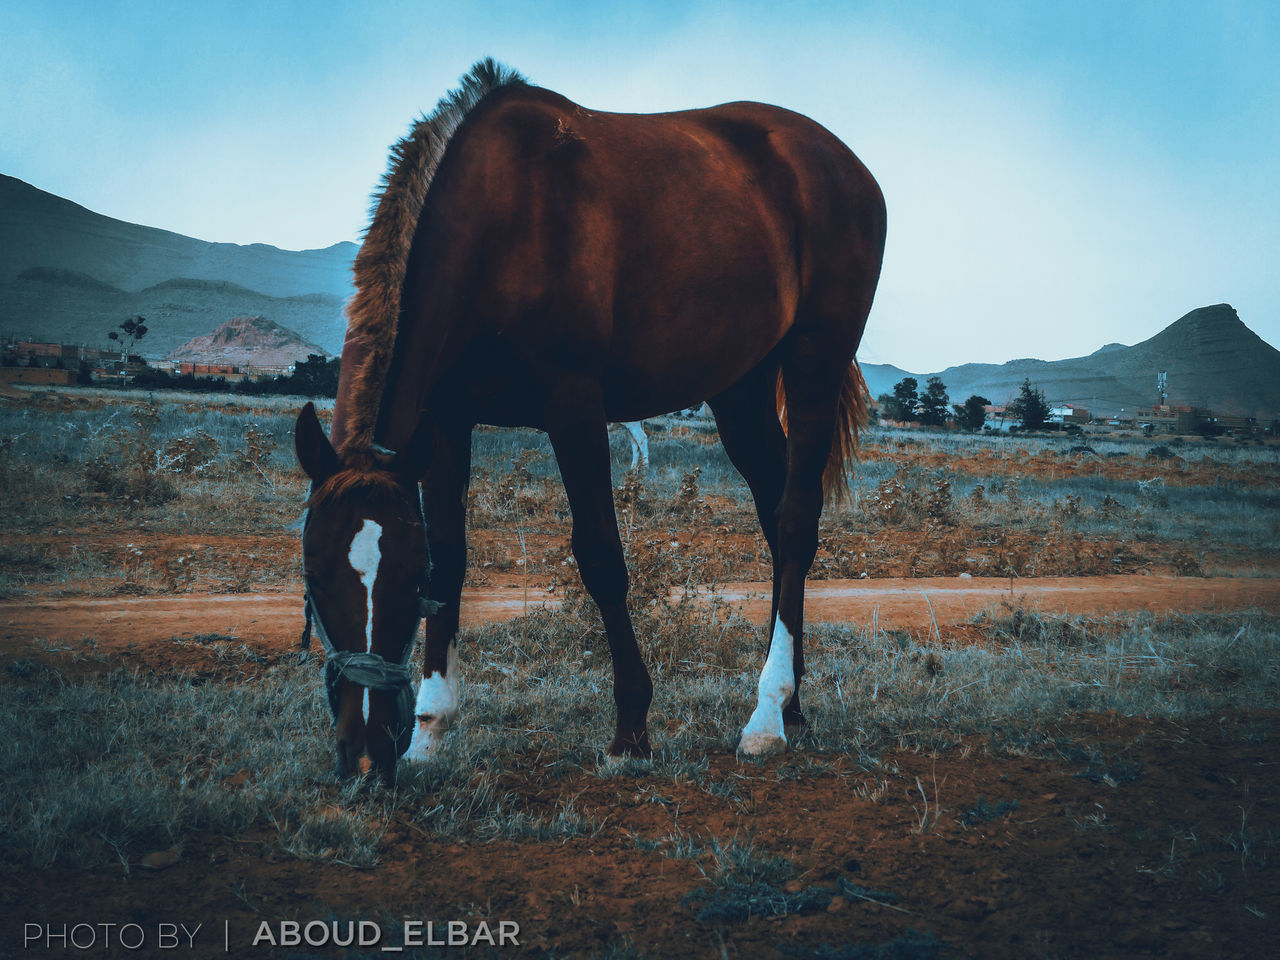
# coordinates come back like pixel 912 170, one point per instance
pixel 426 717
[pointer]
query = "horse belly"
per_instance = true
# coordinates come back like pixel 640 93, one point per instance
pixel 682 364
pixel 688 338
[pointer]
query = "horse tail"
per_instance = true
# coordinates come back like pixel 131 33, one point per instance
pixel 852 408
pixel 853 403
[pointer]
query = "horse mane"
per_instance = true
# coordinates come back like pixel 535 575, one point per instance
pixel 378 486
pixel 373 313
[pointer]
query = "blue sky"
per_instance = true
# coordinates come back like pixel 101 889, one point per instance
pixel 1058 176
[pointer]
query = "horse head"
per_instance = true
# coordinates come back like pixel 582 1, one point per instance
pixel 366 564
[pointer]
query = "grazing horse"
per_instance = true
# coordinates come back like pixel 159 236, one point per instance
pixel 531 262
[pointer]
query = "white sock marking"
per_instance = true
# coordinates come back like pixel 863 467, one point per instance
pixel 437 701
pixel 763 733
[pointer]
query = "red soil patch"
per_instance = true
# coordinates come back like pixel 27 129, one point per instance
pixel 1164 847
pixel 190 631
pixel 1203 470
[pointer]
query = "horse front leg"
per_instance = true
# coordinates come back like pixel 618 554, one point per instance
pixel 444 504
pixel 579 436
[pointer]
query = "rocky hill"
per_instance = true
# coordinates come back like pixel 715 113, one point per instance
pixel 1212 360
pixel 247 340
pixel 69 274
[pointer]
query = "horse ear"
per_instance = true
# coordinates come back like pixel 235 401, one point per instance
pixel 315 454
pixel 414 458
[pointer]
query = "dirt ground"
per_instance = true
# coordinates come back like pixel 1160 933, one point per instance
pixel 1134 846
pixel 171 633
pixel 1031 858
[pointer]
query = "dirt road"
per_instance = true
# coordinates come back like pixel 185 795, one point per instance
pixel 146 629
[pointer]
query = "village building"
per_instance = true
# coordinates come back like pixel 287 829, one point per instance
pixel 1069 413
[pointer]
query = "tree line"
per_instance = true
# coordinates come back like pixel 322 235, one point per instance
pixel 313 377
pixel 907 404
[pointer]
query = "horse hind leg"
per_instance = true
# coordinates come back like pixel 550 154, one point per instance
pixel 812 380
pixel 752 436
pixel 579 436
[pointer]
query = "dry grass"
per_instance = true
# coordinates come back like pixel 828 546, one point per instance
pixel 114 767
pixel 77 462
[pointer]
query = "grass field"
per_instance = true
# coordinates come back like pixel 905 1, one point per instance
pixel 1018 784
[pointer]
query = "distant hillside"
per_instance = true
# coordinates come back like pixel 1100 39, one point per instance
pixel 247 340
pixel 68 273
pixel 73 308
pixel 1212 358
pixel 881 377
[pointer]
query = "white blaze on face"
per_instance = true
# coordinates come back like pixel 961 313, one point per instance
pixel 364 557
pixel 763 733
pixel 436 709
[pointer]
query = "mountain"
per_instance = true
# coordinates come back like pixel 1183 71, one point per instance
pixel 1212 360
pixel 67 273
pixel 71 307
pixel 247 340
pixel 71 275
pixel 881 377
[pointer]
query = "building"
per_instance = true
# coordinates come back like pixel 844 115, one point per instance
pixel 997 417
pixel 1161 418
pixel 34 353
pixel 44 376
pixel 108 364
pixel 1069 413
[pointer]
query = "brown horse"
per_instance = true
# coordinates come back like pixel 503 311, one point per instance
pixel 534 263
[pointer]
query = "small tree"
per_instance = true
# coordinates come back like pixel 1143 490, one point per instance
pixel 901 405
pixel 971 414
pixel 1030 407
pixel 127 334
pixel 933 403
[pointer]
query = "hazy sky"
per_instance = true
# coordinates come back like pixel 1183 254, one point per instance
pixel 1058 176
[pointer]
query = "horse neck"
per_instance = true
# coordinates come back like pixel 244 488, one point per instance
pixel 425 351
pixel 430 333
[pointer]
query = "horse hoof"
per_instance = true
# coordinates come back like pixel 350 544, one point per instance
pixel 762 744
pixel 631 745
pixel 427 742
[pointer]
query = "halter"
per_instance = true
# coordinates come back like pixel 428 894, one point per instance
pixel 368 669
